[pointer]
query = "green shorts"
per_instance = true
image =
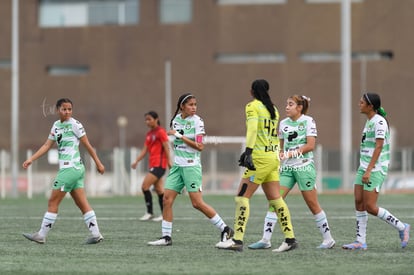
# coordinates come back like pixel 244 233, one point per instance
pixel 376 180
pixel 189 177
pixel 69 179
pixel 267 170
pixel 305 176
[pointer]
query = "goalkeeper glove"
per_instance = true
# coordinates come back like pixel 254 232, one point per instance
pixel 246 159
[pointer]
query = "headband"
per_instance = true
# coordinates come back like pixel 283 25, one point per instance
pixel 305 98
pixel 184 99
pixel 368 100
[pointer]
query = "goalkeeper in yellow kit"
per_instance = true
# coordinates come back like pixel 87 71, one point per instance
pixel 261 159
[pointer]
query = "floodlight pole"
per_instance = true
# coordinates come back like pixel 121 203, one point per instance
pixel 15 98
pixel 346 94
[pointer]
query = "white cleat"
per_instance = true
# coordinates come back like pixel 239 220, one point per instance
pixel 35 237
pixel 146 217
pixel 94 240
pixel 157 219
pixel 327 244
pixel 164 241
pixel 286 247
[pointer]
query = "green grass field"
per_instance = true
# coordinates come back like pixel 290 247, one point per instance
pixel 124 250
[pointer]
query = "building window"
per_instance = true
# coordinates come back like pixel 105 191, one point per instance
pixel 250 2
pixel 357 56
pixel 57 70
pixel 248 58
pixel 176 11
pixel 71 13
pixel 330 1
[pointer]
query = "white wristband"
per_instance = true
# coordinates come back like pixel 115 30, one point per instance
pixel 178 135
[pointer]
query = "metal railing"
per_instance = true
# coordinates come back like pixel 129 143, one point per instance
pixel 221 173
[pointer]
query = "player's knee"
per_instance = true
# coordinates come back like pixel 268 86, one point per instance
pixel 197 205
pixel 371 209
pixel 167 201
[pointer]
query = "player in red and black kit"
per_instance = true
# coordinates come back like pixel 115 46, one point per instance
pixel 156 144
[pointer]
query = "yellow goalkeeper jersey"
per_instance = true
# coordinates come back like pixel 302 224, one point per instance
pixel 262 131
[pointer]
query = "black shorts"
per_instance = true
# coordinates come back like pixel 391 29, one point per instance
pixel 157 171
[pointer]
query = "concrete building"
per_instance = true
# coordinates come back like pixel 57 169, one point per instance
pixel 113 64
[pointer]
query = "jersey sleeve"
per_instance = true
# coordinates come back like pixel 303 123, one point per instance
pixel 280 132
pixel 381 127
pixel 311 130
pixel 147 140
pixel 52 135
pixel 199 127
pixel 162 135
pixel 78 129
pixel 252 119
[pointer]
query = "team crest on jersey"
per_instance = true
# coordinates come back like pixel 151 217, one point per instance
pixel 188 126
pixel 301 127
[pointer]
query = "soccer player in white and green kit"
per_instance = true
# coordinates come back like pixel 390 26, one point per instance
pixel 372 171
pixel 67 133
pixel 297 134
pixel 186 172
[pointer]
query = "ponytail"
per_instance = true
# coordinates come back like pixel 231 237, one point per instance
pixel 260 88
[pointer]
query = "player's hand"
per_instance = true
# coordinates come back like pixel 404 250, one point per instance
pixel 27 163
pixel 100 168
pixel 246 159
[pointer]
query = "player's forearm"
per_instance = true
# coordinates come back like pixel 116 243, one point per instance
pixel 40 152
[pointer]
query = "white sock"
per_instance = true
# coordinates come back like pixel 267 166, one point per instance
pixel 47 223
pixel 218 222
pixel 166 228
pixel 91 223
pixel 361 225
pixel 322 224
pixel 389 218
pixel 269 224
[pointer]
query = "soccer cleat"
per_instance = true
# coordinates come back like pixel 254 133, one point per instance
pixel 405 235
pixel 94 240
pixel 146 217
pixel 286 247
pixel 231 244
pixel 226 234
pixel 355 246
pixel 262 244
pixel 163 241
pixel 35 237
pixel 157 219
pixel 327 244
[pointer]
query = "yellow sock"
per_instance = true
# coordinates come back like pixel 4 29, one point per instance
pixel 241 217
pixel 283 214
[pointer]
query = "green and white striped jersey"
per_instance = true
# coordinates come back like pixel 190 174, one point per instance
pixel 190 127
pixel 66 134
pixel 375 128
pixel 294 133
